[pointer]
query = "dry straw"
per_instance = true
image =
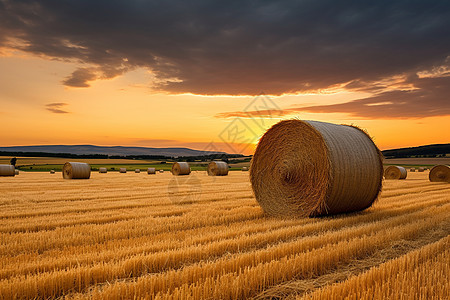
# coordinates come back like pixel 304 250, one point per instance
pixel 137 171
pixel 440 173
pixel 421 169
pixel 181 168
pixel 76 170
pixel 218 168
pixel 7 170
pixel 310 168
pixel 102 170
pixel 395 172
pixel 244 168
pixel 151 171
pixel 122 170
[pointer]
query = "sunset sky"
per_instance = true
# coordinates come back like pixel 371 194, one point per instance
pixel 192 73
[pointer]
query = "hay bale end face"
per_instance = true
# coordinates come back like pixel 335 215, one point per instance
pixel 395 173
pixel 102 170
pixel 309 168
pixel 122 170
pixel 76 170
pixel 151 171
pixel 7 170
pixel 218 168
pixel 137 171
pixel 421 169
pixel 440 173
pixel 181 168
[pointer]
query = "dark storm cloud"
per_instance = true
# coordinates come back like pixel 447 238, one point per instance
pixel 235 47
pixel 56 108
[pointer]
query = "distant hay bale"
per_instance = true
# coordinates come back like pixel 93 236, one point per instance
pixel 122 170
pixel 310 168
pixel 440 173
pixel 421 169
pixel 76 170
pixel 395 172
pixel 17 172
pixel 217 168
pixel 161 171
pixel 151 171
pixel 7 170
pixel 103 170
pixel 137 171
pixel 52 171
pixel 181 168
pixel 412 170
pixel 244 168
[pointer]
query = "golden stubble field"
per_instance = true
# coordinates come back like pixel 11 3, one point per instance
pixel 158 236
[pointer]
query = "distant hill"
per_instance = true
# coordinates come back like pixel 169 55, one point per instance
pixel 436 150
pixel 115 150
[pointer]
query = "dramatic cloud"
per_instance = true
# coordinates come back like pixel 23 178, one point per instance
pixel 56 108
pixel 236 47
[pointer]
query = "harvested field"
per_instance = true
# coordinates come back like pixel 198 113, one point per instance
pixel 167 237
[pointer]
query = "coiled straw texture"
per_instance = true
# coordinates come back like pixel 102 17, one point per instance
pixel 395 172
pixel 7 170
pixel 310 168
pixel 181 168
pixel 217 168
pixel 440 173
pixel 76 170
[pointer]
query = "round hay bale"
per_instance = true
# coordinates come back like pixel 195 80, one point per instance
pixel 310 168
pixel 17 172
pixel 122 170
pixel 76 170
pixel 421 169
pixel 151 171
pixel 244 168
pixel 103 170
pixel 217 168
pixel 52 171
pixel 7 170
pixel 137 171
pixel 440 173
pixel 395 172
pixel 412 170
pixel 181 168
pixel 161 171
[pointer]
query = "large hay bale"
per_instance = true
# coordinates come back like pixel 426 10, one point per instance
pixel 151 171
pixel 76 170
pixel 217 168
pixel 421 169
pixel 244 168
pixel 181 168
pixel 7 170
pixel 440 173
pixel 137 171
pixel 395 172
pixel 52 171
pixel 412 170
pixel 122 170
pixel 310 168
pixel 103 170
